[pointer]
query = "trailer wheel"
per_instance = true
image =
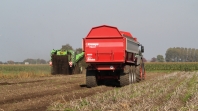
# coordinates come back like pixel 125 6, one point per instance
pixel 124 79
pixel 91 80
pixel 125 76
pixel 130 77
pixel 133 72
pixel 139 72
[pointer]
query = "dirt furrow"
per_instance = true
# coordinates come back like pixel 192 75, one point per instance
pixel 41 103
pixel 38 93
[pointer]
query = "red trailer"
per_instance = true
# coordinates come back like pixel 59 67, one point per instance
pixel 112 54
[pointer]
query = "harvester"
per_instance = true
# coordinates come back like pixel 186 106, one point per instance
pixel 65 62
pixel 112 55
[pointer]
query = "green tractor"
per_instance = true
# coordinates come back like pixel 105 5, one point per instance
pixel 66 62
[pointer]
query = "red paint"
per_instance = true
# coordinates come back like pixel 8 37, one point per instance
pixel 107 45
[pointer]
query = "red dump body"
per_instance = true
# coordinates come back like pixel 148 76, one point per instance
pixel 105 45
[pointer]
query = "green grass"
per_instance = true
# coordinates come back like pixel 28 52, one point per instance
pixel 15 71
pixel 171 66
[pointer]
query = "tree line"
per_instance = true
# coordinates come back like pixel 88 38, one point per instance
pixel 29 61
pixel 180 54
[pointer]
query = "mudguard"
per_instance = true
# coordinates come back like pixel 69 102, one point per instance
pixel 138 59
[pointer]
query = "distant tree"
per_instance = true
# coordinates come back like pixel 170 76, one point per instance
pixel 181 54
pixel 196 55
pixel 160 58
pixel 35 61
pixel 144 60
pixel 78 50
pixel 169 55
pixel 40 61
pixel 189 55
pixel 67 47
pixel 30 61
pixel 1 62
pixel 10 62
pixel 184 55
pixel 153 59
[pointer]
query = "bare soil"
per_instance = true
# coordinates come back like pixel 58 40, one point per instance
pixel 31 94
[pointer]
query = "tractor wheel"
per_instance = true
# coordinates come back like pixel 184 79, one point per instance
pixel 143 72
pixel 52 71
pixel 91 80
pixel 125 76
pixel 133 72
pixel 139 72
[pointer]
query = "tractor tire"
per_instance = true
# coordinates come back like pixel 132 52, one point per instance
pixel 52 71
pixel 91 80
pixel 139 73
pixel 125 76
pixel 54 68
pixel 143 72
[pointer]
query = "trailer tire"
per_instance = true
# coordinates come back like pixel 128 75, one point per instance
pixel 124 79
pixel 91 80
pixel 133 72
pixel 125 76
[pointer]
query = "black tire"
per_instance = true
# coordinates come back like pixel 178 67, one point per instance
pixel 143 72
pixel 137 72
pixel 91 80
pixel 133 72
pixel 130 77
pixel 124 79
pixel 125 76
pixel 52 71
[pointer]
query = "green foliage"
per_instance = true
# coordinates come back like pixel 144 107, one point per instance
pixel 172 66
pixel 35 61
pixel 153 59
pixel 17 69
pixel 82 60
pixel 178 54
pixel 67 47
pixel 160 58
pixel 84 102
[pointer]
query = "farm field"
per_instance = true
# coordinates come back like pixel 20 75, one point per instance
pixel 38 70
pixel 174 91
pixel 24 71
pixel 33 88
pixel 177 90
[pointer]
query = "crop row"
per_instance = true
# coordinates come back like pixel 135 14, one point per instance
pixel 5 69
pixel 181 66
pixel 173 91
pixel 156 66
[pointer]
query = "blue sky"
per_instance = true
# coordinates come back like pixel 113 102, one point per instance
pixel 31 28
